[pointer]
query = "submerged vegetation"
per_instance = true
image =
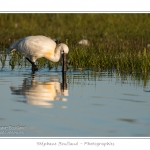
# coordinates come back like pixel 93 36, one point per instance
pixel 116 41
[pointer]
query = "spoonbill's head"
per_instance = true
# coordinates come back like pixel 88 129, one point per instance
pixel 63 48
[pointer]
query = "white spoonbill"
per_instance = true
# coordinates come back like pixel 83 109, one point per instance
pixel 34 47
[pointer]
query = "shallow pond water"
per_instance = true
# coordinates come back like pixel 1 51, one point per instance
pixel 94 104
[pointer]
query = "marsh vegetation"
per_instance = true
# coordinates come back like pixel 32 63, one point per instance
pixel 108 75
pixel 116 41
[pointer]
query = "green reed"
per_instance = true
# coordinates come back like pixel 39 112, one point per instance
pixel 117 41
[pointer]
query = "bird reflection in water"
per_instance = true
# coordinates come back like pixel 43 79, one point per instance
pixel 43 93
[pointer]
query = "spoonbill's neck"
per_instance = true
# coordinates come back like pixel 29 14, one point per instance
pixel 55 57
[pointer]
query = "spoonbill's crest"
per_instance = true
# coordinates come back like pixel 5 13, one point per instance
pixel 34 47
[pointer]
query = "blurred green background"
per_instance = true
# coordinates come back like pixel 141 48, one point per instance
pixel 117 40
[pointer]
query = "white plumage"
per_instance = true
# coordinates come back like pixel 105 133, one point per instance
pixel 84 42
pixel 34 47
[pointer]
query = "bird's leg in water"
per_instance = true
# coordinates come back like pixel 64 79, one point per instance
pixel 34 67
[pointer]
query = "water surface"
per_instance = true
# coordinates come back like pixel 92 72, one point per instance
pixel 94 104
